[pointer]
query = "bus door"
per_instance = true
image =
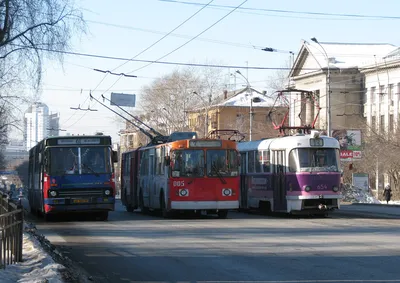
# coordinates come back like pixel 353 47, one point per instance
pixel 133 185
pixel 278 176
pixel 153 199
pixel 243 180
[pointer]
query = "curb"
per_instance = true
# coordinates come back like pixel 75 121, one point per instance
pixel 376 204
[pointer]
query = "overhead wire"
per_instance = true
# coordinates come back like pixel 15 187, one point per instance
pixel 141 52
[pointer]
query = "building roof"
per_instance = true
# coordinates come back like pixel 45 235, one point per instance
pixel 341 55
pixel 243 97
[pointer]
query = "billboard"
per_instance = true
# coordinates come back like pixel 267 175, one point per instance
pixel 361 180
pixel 122 99
pixel 350 142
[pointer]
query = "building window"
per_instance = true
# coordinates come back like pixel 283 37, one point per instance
pixel 390 94
pixel 382 124
pixel 391 122
pixel 373 123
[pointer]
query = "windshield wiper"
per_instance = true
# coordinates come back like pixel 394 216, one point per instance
pixel 90 169
pixel 214 169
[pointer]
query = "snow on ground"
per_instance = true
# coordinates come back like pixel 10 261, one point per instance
pixel 359 195
pixel 37 265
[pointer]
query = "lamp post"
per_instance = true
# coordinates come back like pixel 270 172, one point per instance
pixel 328 94
pixel 251 105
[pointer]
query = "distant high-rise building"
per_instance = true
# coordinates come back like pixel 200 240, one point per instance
pixel 39 124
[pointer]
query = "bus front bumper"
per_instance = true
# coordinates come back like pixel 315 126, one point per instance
pixel 204 205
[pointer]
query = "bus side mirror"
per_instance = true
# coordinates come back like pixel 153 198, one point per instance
pixel 167 160
pixel 114 156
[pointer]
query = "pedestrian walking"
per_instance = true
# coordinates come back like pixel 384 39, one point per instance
pixel 387 193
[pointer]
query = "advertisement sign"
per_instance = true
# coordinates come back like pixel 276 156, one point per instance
pixel 360 180
pixel 122 99
pixel 350 142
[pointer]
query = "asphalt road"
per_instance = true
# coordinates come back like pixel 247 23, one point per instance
pixel 132 247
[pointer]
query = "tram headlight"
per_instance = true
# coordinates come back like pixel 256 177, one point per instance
pixel 53 193
pixel 107 192
pixel 335 188
pixel 183 192
pixel 307 188
pixel 226 192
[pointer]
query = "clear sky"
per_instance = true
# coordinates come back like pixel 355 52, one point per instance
pixel 124 28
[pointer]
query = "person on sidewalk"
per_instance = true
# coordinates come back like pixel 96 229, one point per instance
pixel 387 193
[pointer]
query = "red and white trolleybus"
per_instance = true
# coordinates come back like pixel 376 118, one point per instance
pixel 183 174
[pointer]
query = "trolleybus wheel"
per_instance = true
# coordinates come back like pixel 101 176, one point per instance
pixel 143 209
pixel 164 211
pixel 222 214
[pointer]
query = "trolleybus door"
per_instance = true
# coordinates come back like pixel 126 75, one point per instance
pixel 132 187
pixel 278 171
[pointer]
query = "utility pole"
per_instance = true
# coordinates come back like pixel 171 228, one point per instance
pixel 328 92
pixel 251 105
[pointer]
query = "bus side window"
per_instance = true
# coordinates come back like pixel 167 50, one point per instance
pixel 258 161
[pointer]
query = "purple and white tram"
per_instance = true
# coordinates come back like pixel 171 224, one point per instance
pixel 293 174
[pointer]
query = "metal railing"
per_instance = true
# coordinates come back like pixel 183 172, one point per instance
pixel 11 231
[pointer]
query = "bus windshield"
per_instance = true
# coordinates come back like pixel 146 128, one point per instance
pixel 314 160
pixel 79 160
pixel 188 163
pixel 222 163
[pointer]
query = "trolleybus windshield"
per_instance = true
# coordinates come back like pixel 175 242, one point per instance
pixel 314 160
pixel 79 160
pixel 222 163
pixel 188 163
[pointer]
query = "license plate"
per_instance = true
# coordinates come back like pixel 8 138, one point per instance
pixel 80 201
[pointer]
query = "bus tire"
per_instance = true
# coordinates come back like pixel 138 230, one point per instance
pixel 129 208
pixel 143 209
pixel 222 214
pixel 103 216
pixel 165 213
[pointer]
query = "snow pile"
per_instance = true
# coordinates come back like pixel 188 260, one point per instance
pixel 357 195
pixel 37 265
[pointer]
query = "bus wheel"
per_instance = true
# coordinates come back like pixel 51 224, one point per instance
pixel 143 209
pixel 164 211
pixel 103 216
pixel 129 208
pixel 222 214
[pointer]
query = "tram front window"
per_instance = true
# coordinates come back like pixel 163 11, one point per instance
pixel 314 160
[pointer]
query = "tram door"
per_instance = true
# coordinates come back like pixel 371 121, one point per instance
pixel 243 181
pixel 278 176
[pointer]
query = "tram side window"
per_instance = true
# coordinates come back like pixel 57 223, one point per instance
pixel 243 159
pixel 162 156
pixel 258 161
pixel 293 161
pixel 250 161
pixel 265 161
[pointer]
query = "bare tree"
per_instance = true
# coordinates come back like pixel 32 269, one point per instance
pixel 280 79
pixel 30 32
pixel 29 29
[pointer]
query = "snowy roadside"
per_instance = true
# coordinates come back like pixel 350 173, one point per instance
pixel 354 194
pixel 42 263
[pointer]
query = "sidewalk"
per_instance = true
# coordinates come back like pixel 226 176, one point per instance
pixel 390 211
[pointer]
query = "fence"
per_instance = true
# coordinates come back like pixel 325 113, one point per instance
pixel 11 231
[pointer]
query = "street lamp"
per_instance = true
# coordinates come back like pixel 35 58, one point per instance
pixel 328 94
pixel 251 104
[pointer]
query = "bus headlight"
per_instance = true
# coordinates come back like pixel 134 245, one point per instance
pixel 226 192
pixel 107 192
pixel 183 192
pixel 53 193
pixel 335 188
pixel 307 188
